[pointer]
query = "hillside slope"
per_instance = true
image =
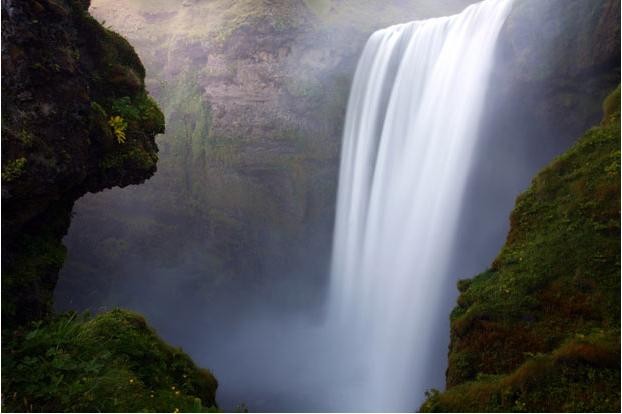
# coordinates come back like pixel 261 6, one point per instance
pixel 540 330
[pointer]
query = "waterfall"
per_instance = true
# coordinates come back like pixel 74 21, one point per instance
pixel 410 135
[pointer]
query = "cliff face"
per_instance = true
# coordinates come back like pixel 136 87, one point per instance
pixel 560 57
pixel 255 94
pixel 76 118
pixel 540 330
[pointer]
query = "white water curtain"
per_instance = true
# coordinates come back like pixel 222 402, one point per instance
pixel 410 134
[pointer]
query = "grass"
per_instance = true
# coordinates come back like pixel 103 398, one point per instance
pixel 110 363
pixel 580 376
pixel 540 330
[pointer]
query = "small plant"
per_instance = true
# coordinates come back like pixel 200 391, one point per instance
pixel 119 126
pixel 141 110
pixel 25 137
pixel 13 169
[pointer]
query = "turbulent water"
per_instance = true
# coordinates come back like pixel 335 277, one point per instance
pixel 410 137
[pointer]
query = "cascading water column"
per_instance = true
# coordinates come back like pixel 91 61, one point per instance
pixel 410 134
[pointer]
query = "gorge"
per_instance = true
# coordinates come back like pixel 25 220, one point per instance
pixel 300 283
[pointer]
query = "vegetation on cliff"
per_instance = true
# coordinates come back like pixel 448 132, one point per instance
pixel 255 94
pixel 540 330
pixel 110 363
pixel 75 118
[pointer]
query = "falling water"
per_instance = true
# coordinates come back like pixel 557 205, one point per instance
pixel 410 135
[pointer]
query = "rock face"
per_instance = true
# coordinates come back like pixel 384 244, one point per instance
pixel 255 94
pixel 76 118
pixel 540 330
pixel 560 57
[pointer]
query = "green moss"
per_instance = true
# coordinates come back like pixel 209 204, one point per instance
pixel 611 105
pixel 554 286
pixel 117 50
pixel 99 129
pixel 26 138
pixel 40 255
pixel 28 275
pixel 13 169
pixel 129 159
pixel 111 363
pixel 582 375
pixel 118 89
pixel 141 112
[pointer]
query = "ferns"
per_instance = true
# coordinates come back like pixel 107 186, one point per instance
pixel 119 126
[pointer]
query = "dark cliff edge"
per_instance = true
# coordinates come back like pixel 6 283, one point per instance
pixel 540 331
pixel 75 119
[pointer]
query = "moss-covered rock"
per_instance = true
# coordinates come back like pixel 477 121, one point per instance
pixel 64 79
pixel 75 118
pixel 110 363
pixel 540 330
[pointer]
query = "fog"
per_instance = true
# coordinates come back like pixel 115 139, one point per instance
pixel 246 298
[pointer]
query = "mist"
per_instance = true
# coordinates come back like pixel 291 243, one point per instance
pixel 228 256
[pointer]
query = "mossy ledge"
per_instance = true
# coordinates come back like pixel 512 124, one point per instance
pixel 111 363
pixel 540 330
pixel 76 118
